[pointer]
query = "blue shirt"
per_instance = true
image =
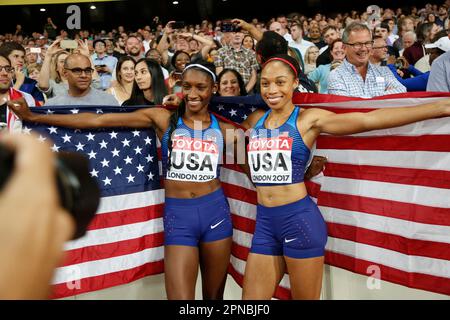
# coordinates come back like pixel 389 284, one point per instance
pixel 416 83
pixel 30 86
pixel 345 80
pixel 320 75
pixel 110 62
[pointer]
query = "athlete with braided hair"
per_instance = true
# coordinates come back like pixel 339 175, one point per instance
pixel 197 220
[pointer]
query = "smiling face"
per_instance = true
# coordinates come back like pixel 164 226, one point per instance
pixel 358 57
pixel 198 88
pixel 277 85
pixel 229 85
pixel 181 60
pixel 127 71
pixel 338 52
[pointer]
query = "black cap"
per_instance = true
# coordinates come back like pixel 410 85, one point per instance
pixel 271 44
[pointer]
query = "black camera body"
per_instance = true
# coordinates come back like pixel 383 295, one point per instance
pixel 78 192
pixel 398 64
pixel 228 26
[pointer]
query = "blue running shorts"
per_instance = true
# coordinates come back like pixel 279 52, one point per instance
pixel 296 230
pixel 190 221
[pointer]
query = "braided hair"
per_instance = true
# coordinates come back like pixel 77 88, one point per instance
pixel 181 110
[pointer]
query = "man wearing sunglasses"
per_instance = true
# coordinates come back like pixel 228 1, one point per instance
pixel 356 76
pixel 78 71
pixel 7 118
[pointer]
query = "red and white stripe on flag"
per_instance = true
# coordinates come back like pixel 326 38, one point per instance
pixel 385 196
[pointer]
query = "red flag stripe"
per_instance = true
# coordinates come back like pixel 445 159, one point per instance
pixel 239 193
pixel 386 208
pixel 107 280
pixel 115 249
pixel 243 224
pixel 321 98
pixel 407 176
pixel 409 279
pixel 123 217
pixel 438 143
pixel 414 247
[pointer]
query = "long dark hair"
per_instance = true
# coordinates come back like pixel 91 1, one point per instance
pixel 242 90
pixel 159 88
pixel 181 110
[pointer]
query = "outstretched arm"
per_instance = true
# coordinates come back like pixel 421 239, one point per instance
pixel 356 122
pixel 141 118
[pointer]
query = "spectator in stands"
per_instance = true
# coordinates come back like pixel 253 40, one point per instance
pixel 78 71
pixel 329 34
pixel 119 48
pixel 238 58
pixel 179 61
pixel 50 28
pixel 156 55
pixel 52 79
pixel 123 86
pixel 34 70
pixel 357 77
pixel 439 79
pixel 320 75
pixel 149 87
pixel 16 54
pixel 405 24
pixel 311 55
pixel 7 92
pixel 230 83
pixel 134 48
pixel 417 50
pixel 248 42
pixel 297 39
pixel 103 63
pixel 408 39
pixel 379 53
pixel 442 15
pixel 315 37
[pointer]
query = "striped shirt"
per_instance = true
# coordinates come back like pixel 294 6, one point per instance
pixel 345 80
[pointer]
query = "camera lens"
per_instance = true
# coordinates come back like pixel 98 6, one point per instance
pixel 78 191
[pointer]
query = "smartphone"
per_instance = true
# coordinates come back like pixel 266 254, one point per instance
pixel 69 44
pixel 228 26
pixel 35 50
pixel 177 25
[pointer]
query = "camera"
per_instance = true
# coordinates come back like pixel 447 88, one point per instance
pixel 398 64
pixel 177 25
pixel 69 44
pixel 228 26
pixel 78 192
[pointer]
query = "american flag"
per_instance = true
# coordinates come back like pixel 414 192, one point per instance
pixel 384 194
pixel 124 241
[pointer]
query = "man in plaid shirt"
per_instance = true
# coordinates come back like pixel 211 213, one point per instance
pixel 356 76
pixel 241 59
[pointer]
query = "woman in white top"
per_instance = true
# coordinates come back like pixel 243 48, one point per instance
pixel 122 87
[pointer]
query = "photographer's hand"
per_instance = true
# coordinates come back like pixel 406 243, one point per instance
pixel 33 225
